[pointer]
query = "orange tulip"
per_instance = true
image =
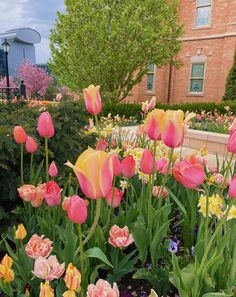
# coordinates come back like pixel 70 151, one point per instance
pixel 94 172
pixel 92 99
pixel 172 133
pixel 153 124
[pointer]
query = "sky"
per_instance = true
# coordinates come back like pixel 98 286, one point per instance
pixel 36 14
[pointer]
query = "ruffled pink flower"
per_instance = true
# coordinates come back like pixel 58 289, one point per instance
pixel 48 269
pixel 27 192
pixel 102 288
pixel 219 178
pixel 120 237
pixel 156 190
pixel 38 246
pixel 116 199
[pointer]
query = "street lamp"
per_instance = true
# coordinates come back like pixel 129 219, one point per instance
pixel 6 48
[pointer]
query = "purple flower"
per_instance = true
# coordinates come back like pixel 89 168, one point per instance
pixel 173 248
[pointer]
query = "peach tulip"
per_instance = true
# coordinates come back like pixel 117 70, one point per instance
pixel 6 272
pixel 116 199
pixel 31 145
pixel 231 144
pixel 46 290
pixel 52 193
pixel 120 237
pixel 146 164
pixel 20 232
pixel 93 99
pixel 172 133
pixel 48 269
pixel 102 288
pixel 27 192
pixel 156 190
pixel 38 247
pixel 94 171
pixel 72 278
pixel 153 124
pixel 45 125
pixel 232 188
pixel 190 173
pixel 19 135
pixel 39 195
pixel 77 209
pixel 128 166
pixel 102 146
pixel 53 171
pixel 116 165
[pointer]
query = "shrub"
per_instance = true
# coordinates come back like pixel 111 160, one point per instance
pixel 69 141
pixel 230 90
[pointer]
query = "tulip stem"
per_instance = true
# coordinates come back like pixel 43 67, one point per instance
pixel 99 132
pixel 95 222
pixel 31 166
pixel 227 172
pixel 46 155
pixel 111 206
pixel 21 163
pixel 81 247
pixel 207 218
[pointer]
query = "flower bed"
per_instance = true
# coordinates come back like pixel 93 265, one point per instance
pixel 141 214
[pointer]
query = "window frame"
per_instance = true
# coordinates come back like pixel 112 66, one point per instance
pixel 154 79
pixel 192 78
pixel 196 14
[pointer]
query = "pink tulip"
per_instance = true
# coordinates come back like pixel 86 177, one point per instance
pixel 190 173
pixel 45 125
pixel 152 103
pixel 153 124
pixel 93 99
pixel 232 188
pixel 145 106
pixel 120 237
pixel 161 165
pixel 31 145
pixel 231 145
pixel 19 135
pixel 219 178
pixel 102 146
pixel 38 247
pixel 102 288
pixel 232 127
pixel 52 193
pixel 48 269
pixel 117 169
pixel 116 199
pixel 53 171
pixel 77 209
pixel 128 166
pixel 146 164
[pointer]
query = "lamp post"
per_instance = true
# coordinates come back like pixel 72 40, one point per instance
pixel 6 48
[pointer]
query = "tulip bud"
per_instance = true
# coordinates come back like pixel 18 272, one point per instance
pixel 128 166
pixel 146 164
pixel 31 145
pixel 92 99
pixel 45 125
pixel 19 135
pixel 116 165
pixel 102 146
pixel 20 233
pixel 53 172
pixel 46 290
pixel 77 210
pixel 72 278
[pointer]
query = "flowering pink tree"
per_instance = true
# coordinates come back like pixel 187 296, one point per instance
pixel 3 82
pixel 35 78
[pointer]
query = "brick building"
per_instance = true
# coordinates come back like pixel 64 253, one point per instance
pixel 207 52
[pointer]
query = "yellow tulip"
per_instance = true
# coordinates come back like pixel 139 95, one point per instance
pixel 46 290
pixel 20 233
pixel 5 269
pixel 72 278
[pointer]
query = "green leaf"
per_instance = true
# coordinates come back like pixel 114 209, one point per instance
pixel 98 253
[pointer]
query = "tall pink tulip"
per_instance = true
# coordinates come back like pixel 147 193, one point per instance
pixel 128 166
pixel 189 173
pixel 53 171
pixel 93 99
pixel 153 124
pixel 231 145
pixel 232 188
pixel 116 165
pixel 146 164
pixel 31 145
pixel 52 193
pixel 77 210
pixel 94 172
pixel 116 198
pixel 19 135
pixel 45 125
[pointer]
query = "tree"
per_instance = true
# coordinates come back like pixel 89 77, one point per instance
pixel 3 82
pixel 111 42
pixel 230 89
pixel 36 79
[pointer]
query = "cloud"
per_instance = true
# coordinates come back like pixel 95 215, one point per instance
pixel 37 14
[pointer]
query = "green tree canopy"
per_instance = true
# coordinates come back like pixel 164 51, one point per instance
pixel 111 42
pixel 230 89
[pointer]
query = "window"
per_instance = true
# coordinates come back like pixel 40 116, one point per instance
pixel 150 78
pixel 203 12
pixel 197 77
